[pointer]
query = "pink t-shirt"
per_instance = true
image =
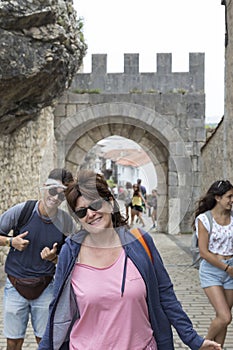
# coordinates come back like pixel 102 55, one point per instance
pixel 108 320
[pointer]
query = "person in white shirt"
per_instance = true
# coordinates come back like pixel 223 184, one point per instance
pixel 216 249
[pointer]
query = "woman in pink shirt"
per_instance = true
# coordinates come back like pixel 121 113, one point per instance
pixel 108 293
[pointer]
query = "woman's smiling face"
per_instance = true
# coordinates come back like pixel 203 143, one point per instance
pixel 226 200
pixel 95 219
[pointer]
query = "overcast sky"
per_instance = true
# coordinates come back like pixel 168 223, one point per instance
pixel 153 26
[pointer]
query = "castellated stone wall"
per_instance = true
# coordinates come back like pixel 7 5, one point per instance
pixel 132 80
pixel 163 111
pixel 23 171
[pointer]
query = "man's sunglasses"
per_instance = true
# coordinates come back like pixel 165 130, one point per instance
pixel 53 192
pixel 96 205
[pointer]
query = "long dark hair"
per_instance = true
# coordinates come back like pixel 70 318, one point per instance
pixel 92 185
pixel 208 201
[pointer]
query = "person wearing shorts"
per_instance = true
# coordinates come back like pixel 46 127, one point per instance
pixel 33 252
pixel 137 208
pixel 16 314
pixel 216 250
pixel 213 276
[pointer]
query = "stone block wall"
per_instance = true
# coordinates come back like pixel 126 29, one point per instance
pixel 26 157
pixel 217 148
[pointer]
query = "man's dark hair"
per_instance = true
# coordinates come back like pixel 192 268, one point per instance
pixel 61 174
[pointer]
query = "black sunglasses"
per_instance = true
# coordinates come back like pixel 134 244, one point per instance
pixel 53 192
pixel 96 205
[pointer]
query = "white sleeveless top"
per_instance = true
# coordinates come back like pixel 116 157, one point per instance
pixel 221 237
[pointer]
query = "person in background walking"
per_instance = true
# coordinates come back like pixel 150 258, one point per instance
pixel 142 189
pixel 137 208
pixel 153 205
pixel 31 260
pixel 128 197
pixel 108 292
pixel 216 249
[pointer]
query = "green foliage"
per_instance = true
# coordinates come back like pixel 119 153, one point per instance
pixel 181 91
pixel 178 91
pixel 211 125
pixel 135 91
pixel 80 25
pixel 152 91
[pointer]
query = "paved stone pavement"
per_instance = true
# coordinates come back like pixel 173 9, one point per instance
pixel 175 253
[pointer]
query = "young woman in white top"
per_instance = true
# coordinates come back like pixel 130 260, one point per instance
pixel 216 249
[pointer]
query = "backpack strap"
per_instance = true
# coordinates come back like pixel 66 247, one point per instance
pixel 137 233
pixel 24 215
pixel 210 218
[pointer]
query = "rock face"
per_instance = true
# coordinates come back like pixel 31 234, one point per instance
pixel 41 48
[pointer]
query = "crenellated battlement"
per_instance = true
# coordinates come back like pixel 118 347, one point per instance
pixel 163 80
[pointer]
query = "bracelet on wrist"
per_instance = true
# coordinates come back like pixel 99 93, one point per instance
pixel 226 268
pixel 7 242
pixel 55 258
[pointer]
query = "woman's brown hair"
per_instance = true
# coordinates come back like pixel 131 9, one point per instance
pixel 91 186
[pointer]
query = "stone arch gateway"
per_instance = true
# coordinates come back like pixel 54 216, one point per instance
pixel 163 112
pixel 153 132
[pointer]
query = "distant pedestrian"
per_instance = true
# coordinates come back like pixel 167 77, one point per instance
pixel 153 205
pixel 128 197
pixel 115 191
pixel 137 208
pixel 216 249
pixel 142 189
pixel 109 178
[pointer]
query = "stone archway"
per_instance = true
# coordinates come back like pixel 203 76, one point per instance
pixel 154 133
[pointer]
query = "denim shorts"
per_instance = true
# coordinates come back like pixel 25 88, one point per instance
pixel 213 276
pixel 17 310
